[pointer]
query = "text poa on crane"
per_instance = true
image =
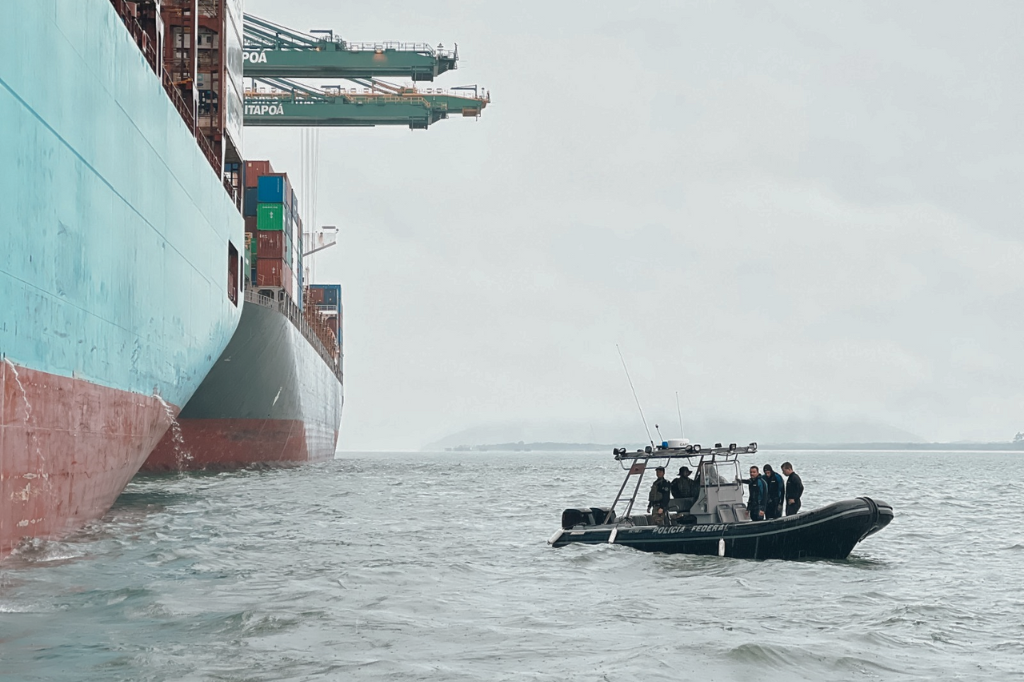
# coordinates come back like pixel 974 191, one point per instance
pixel 254 57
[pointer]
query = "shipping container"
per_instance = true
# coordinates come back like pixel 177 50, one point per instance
pixel 271 189
pixel 316 295
pixel 331 295
pixel 251 224
pixel 275 189
pixel 253 171
pixel 270 216
pixel 272 272
pixel 272 245
pixel 249 202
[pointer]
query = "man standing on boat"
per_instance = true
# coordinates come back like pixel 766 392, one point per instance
pixel 776 493
pixel 660 492
pixel 757 494
pixel 794 489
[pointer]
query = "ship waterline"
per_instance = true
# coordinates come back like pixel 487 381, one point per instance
pixel 106 432
pixel 114 280
pixel 271 399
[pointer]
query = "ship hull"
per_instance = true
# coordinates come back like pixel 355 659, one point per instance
pixel 68 449
pixel 271 400
pixel 114 242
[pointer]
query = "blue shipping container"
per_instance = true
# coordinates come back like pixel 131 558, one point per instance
pixel 250 201
pixel 271 189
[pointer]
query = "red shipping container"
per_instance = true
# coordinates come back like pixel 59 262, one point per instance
pixel 316 295
pixel 271 244
pixel 273 273
pixel 253 171
pixel 250 224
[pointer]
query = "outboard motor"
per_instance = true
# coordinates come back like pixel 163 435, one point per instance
pixel 587 516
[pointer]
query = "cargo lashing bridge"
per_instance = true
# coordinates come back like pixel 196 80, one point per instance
pixel 274 50
pixel 274 55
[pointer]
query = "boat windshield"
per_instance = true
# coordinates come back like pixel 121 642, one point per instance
pixel 719 473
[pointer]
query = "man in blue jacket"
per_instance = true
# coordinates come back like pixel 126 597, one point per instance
pixel 776 493
pixel 757 494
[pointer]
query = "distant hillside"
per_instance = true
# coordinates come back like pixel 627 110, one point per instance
pixel 968 447
pixel 528 447
pixel 698 430
pixel 1016 446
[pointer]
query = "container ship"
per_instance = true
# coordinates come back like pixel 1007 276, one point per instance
pixel 122 241
pixel 275 395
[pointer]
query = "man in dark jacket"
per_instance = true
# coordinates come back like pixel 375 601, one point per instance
pixel 757 494
pixel 794 489
pixel 683 487
pixel 659 495
pixel 776 492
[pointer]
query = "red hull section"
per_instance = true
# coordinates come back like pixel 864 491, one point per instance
pixel 67 449
pixel 238 443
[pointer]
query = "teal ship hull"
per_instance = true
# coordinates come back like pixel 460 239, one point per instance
pixel 115 235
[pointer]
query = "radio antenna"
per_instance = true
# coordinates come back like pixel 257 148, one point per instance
pixel 644 419
pixel 680 413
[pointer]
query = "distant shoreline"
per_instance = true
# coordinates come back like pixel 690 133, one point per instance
pixel 1005 446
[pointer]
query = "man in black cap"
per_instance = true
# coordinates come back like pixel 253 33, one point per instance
pixel 659 495
pixel 683 486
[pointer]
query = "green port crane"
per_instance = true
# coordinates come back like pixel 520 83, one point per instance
pixel 284 102
pixel 271 50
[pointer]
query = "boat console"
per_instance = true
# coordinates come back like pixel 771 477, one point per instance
pixel 720 489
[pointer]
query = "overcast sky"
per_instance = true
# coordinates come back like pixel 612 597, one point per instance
pixel 785 211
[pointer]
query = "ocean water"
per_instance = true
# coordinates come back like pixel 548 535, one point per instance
pixel 435 567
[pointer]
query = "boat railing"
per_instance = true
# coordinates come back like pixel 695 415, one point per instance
pixel 127 11
pixel 706 461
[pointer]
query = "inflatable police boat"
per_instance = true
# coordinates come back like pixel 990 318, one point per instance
pixel 716 521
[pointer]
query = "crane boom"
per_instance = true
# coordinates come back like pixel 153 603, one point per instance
pixel 270 49
pixel 289 103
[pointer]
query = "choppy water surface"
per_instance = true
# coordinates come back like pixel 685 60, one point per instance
pixel 412 566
